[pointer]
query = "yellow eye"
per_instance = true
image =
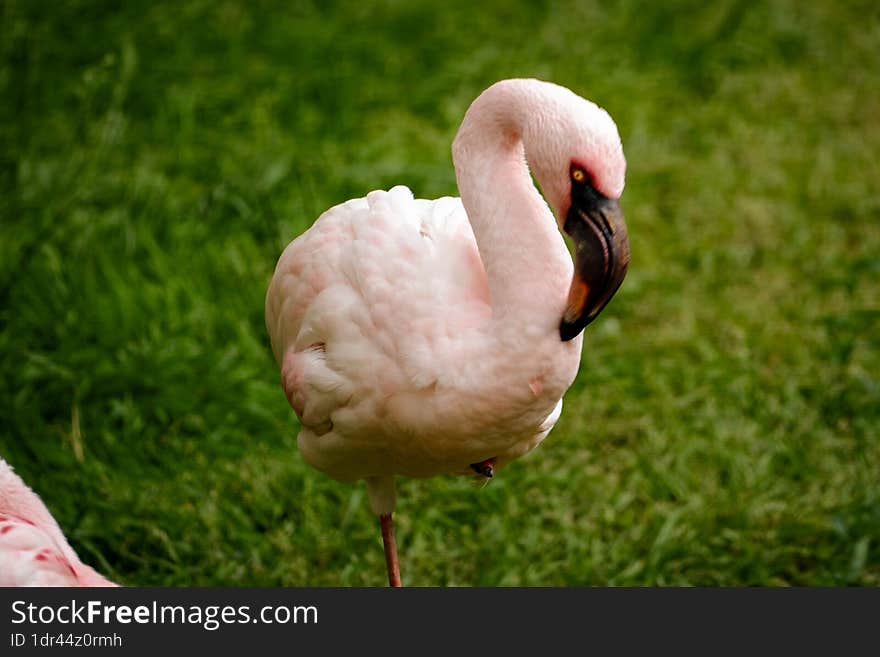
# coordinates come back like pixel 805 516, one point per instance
pixel 578 174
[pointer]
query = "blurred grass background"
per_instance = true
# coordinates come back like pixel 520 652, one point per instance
pixel 155 158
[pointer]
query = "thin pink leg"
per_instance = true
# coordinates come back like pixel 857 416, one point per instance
pixel 390 550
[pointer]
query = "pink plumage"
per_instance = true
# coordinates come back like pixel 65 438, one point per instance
pixel 33 550
pixel 422 337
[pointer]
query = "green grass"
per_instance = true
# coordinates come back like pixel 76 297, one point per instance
pixel 155 158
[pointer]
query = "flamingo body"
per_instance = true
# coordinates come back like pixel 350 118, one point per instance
pixel 33 550
pixel 378 316
pixel 420 337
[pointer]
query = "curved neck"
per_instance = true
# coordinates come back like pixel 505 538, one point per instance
pixel 527 263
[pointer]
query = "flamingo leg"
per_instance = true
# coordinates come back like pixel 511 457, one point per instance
pixel 390 550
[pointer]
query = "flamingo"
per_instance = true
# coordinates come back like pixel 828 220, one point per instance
pixel 33 550
pixel 426 337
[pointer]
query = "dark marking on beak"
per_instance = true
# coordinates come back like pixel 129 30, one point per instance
pixel 595 225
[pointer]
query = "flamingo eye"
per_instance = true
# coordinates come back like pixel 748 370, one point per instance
pixel 578 175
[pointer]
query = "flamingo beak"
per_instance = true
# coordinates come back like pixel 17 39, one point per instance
pixel 596 227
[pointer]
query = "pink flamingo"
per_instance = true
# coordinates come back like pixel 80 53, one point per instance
pixel 33 550
pixel 423 337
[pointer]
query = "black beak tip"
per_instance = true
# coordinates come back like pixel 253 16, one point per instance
pixel 567 331
pixel 570 330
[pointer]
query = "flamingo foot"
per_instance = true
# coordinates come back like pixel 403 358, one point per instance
pixel 485 468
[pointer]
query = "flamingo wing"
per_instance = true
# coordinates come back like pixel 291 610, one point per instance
pixel 33 550
pixel 369 298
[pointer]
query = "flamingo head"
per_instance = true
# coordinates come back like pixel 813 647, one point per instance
pixel 574 150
